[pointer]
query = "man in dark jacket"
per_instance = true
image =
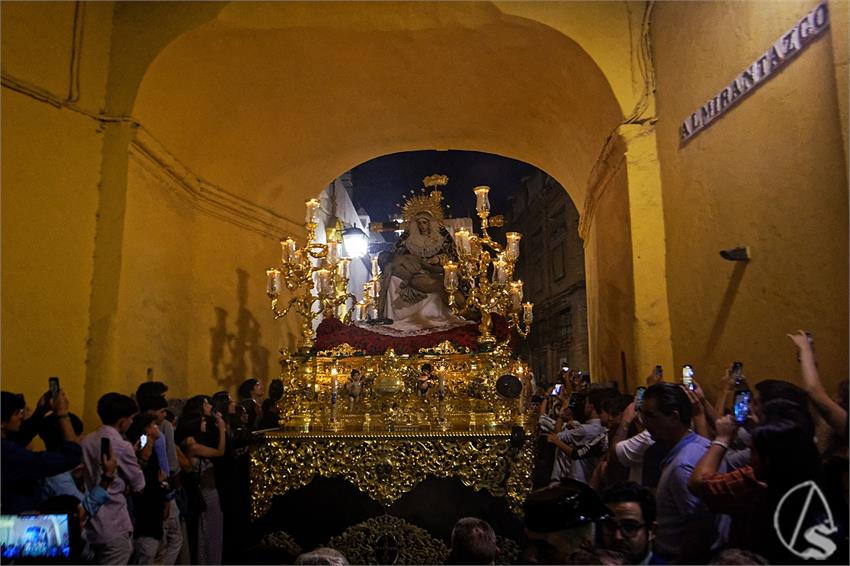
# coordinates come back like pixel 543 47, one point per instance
pixel 22 469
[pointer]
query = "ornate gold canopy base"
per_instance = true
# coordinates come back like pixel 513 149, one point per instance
pixel 387 465
pixel 405 424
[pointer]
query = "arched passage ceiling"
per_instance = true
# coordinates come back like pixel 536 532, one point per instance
pixel 271 101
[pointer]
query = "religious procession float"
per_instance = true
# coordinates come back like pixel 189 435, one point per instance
pixel 416 378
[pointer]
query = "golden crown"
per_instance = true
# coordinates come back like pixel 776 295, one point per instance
pixel 430 204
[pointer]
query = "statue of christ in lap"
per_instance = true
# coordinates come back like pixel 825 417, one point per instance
pixel 412 292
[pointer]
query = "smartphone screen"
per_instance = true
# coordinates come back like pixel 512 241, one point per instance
pixel 104 447
pixel 741 407
pixel 557 390
pixel 53 384
pixel 143 440
pixel 639 393
pixel 659 371
pixel 688 376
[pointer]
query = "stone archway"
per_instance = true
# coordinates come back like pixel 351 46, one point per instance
pixel 260 108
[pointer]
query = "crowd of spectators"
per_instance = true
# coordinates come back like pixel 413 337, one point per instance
pixel 145 486
pixel 667 477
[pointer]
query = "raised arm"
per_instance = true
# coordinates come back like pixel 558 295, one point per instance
pixel 831 411
pixel 727 386
pixel 198 449
pixel 711 460
pixel 629 415
pixel 700 424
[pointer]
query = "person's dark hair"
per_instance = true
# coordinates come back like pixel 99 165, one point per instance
pixel 113 407
pixel 187 426
pixel 779 409
pixel 138 426
pixel 221 401
pixel 154 403
pixel 578 407
pixel 51 434
pixel 276 389
pixel 170 416
pixel 11 402
pixel 787 452
pixel 245 388
pixel 771 389
pixel 597 397
pixel 427 368
pixel 195 405
pixel 150 389
pixel 627 491
pixel 473 542
pixel 669 397
pixel 735 556
pixel 616 405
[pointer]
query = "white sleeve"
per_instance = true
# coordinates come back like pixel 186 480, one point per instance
pixel 630 451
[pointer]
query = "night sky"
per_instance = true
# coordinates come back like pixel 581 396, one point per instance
pixel 382 182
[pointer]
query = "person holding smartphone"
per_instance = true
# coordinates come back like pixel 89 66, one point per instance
pixel 110 530
pixel 22 469
pixel 149 505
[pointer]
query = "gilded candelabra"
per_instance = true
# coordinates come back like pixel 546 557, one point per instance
pixel 367 308
pixel 487 267
pixel 314 273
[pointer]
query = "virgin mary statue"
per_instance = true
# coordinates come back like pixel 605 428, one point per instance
pixel 412 293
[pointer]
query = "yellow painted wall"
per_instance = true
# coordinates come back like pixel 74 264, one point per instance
pixel 51 161
pixel 770 174
pixel 610 284
pixel 192 292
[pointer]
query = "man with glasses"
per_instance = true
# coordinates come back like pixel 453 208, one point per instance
pixel 631 527
pixel 686 528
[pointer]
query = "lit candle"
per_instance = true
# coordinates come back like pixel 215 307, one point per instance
pixel 527 315
pixel 516 295
pixel 312 206
pixel 273 282
pixel 376 270
pixel 462 240
pixel 333 252
pixel 450 275
pixel 500 271
pixel 512 251
pixel 357 315
pixel 376 288
pixel 323 280
pixel 287 249
pixel 482 202
pixel 373 311
pixel 342 269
